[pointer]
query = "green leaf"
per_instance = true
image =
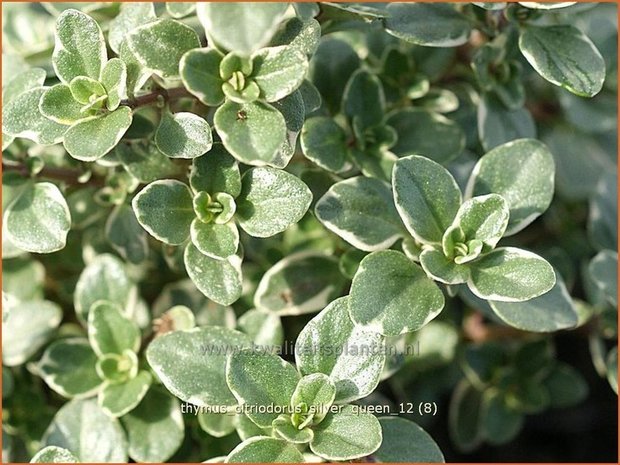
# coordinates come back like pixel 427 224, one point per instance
pixel 464 424
pixel 301 34
pixel 363 100
pixel 68 367
pixel 392 295
pixel 155 428
pixel 500 423
pixel 159 45
pixel 405 441
pixel 84 88
pixel 264 449
pixel 253 132
pixel 443 269
pixel 23 278
pixel 131 16
pixel 612 369
pixel 552 311
pixel 352 356
pixel 105 278
pixel 241 27
pixel 428 24
pixel 22 82
pixel 164 208
pixel 58 104
pixel 498 125
pixel 324 142
pixel 91 139
pixel 522 172
pixel 484 218
pixel 258 379
pixel 426 133
pixel 361 210
pixel 566 386
pixel 72 429
pixel 333 439
pixel 80 47
pixel 603 269
pixel 144 161
pixel 214 240
pixel 180 9
pixel 270 201
pixel 509 274
pixel 29 326
pixel 53 454
pixel 426 196
pixel 216 172
pixel 283 427
pixel 216 424
pixel 219 280
pixel 110 331
pixel 318 392
pixel 39 219
pixel 300 283
pixel 183 135
pixel 564 56
pixel 114 80
pixel 126 235
pixel 246 428
pixel 21 118
pixel 176 357
pixel 278 71
pixel 200 72
pixel 264 327
pixel 118 399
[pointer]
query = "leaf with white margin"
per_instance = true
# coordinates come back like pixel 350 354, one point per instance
pixel 58 104
pixel 53 454
pixel 200 72
pixel 498 125
pixel 509 274
pixel 442 269
pixel 270 201
pixel 28 328
pixel 264 327
pixel 324 142
pixel 300 283
pixel 318 392
pixel 80 47
pixel 405 441
pixel 352 356
pixel 68 368
pixel 484 218
pixel 159 45
pixel 73 427
pixel 114 80
pixel 361 210
pixel 178 356
pixel 363 101
pixel 214 240
pixel 258 379
pixel 522 172
pixel 104 278
pixel 26 80
pixel 346 435
pixel 564 56
pixel 219 280
pixel 216 424
pixel 91 139
pixel 216 172
pixel 278 71
pixel 118 399
pixel 552 311
pixel 428 24
pixel 264 449
pixel 183 135
pixel 155 428
pixel 603 269
pixel 39 219
pixel 546 5
pixel 125 234
pixel 165 209
pixel 180 9
pixel 110 331
pixel 241 27
pixel 130 16
pixel 392 295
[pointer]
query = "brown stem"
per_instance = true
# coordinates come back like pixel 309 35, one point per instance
pixel 68 176
pixel 147 99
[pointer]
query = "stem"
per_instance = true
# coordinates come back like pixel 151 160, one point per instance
pixel 71 177
pixel 147 99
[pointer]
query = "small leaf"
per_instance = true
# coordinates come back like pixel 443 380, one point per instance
pixel 270 201
pixel 464 417
pixel 428 24
pixel 301 34
pixel 72 429
pixel 283 427
pixel 110 331
pixel 426 196
pixel 131 16
pixel 216 424
pixel 612 369
pixel 443 269
pixel 68 367
pixel 91 139
pixel 278 71
pixel 265 449
pixel 58 104
pixel 180 9
pixel 546 6
pixel 498 125
pixel 603 269
pixel 509 274
pixel 80 47
pixel 216 172
pixel 258 379
pixel 352 356
pixel 144 161
pixel 183 135
pixel 363 99
pixel 392 295
pixel 176 357
pixel 164 208
pixel 26 80
pixel 253 132
pixel 241 27
pixel 264 327
pixel 564 56
pixel 499 421
pixel 214 240
pixel 126 235
pixel 118 399
pixel 200 72
pixel 219 280
pixel 323 142
pixel 483 218
pixel 404 441
pixel 318 392
pixel 522 172
pixel 566 386
pixel 333 439
pixel 39 219
pixel 84 88
pixel 114 79
pixel 53 454
pixel 155 428
pixel 159 45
